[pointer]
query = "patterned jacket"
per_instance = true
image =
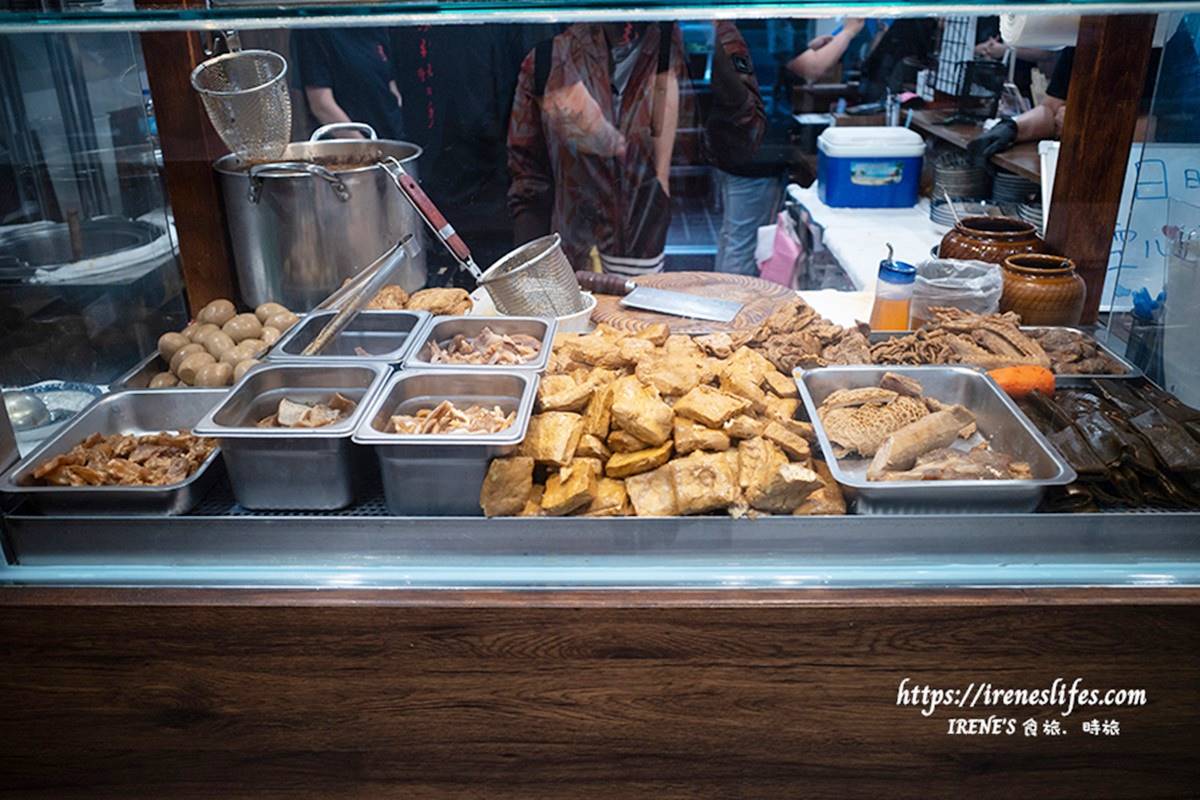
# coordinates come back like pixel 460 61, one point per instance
pixel 598 175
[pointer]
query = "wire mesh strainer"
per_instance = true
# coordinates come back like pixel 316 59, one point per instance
pixel 247 100
pixel 535 280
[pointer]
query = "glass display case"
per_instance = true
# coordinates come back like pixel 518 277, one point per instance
pixel 149 218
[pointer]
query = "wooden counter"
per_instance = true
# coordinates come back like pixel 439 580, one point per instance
pixel 1021 158
pixel 273 693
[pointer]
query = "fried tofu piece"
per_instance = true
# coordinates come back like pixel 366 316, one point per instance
pixel 592 447
pixel 633 350
pixel 679 347
pixel 758 460
pixel 656 333
pixel 750 362
pixel 691 436
pixel 709 406
pixel 802 429
pixel 622 442
pixel 718 344
pixel 826 500
pixel 611 499
pixel 782 408
pixel 533 506
pixel 710 369
pixel 506 486
pixel 552 437
pixel 638 410
pixel 594 464
pixel 559 396
pixel 743 426
pixel 597 417
pixel 795 446
pixel 622 465
pixel 785 489
pixel 596 350
pixel 670 376
pixel 746 384
pixel 572 487
pixel 703 482
pixel 653 493
pixel 780 384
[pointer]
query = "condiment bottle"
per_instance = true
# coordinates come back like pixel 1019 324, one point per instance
pixel 893 292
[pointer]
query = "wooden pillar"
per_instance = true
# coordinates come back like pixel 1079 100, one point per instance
pixel 189 146
pixel 1111 57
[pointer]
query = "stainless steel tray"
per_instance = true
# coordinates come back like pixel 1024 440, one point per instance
pixel 441 475
pixel 386 336
pixel 290 468
pixel 1132 370
pixel 132 412
pixel 999 420
pixel 443 329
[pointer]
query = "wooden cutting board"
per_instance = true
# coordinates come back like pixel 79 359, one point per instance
pixel 758 298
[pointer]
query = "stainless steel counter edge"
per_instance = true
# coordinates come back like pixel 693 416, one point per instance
pixel 1111 549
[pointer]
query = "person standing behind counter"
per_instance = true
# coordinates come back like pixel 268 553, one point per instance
pixel 347 76
pixel 1180 62
pixel 593 134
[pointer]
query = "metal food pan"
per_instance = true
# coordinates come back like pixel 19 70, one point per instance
pixel 292 468
pixel 999 421
pixel 443 329
pixel 441 475
pixel 132 412
pixel 385 336
pixel 1131 371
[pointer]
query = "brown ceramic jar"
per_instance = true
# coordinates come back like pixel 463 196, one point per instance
pixel 990 239
pixel 1043 289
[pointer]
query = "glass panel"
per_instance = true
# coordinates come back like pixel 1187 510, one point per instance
pixel 89 274
pixel 1152 283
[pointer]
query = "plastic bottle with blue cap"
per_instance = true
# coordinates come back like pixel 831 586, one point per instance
pixel 893 294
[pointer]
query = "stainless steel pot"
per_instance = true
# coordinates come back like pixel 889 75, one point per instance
pixel 302 225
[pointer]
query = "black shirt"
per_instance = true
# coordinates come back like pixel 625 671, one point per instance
pixel 458 83
pixel 356 64
pixel 1060 79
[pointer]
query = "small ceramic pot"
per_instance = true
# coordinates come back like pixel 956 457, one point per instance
pixel 1043 289
pixel 990 239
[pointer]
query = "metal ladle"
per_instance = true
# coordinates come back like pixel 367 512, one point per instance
pixel 25 410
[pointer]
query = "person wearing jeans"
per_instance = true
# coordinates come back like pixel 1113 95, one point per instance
pixel 749 202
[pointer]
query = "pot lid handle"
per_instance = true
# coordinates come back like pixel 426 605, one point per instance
pixel 259 171
pixel 361 127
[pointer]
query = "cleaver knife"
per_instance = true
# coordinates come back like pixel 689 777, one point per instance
pixel 662 301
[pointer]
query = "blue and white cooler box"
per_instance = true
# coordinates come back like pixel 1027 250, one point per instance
pixel 869 167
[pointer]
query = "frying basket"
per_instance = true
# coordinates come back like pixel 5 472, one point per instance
pixel 247 100
pixel 535 280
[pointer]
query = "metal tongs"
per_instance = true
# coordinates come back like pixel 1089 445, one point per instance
pixel 353 296
pixel 429 212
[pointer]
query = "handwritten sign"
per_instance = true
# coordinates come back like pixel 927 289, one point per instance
pixel 1156 173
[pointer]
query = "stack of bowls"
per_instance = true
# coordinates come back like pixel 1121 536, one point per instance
pixel 1032 213
pixel 954 175
pixel 1010 189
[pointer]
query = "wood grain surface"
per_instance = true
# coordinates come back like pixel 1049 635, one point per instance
pixel 182 694
pixel 759 297
pixel 190 145
pixel 1107 78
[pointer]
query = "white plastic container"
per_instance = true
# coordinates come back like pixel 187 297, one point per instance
pixel 876 167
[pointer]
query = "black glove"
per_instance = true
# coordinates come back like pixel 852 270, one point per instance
pixel 1000 136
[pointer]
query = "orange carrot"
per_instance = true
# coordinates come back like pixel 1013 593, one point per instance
pixel 1018 382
